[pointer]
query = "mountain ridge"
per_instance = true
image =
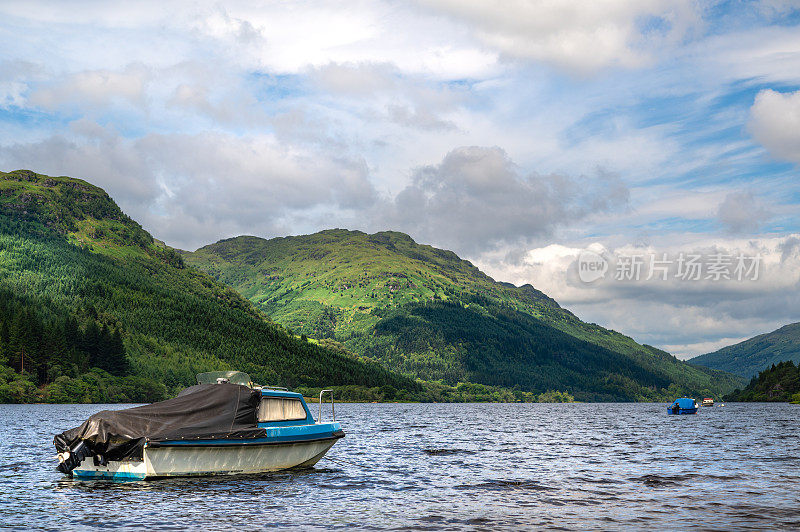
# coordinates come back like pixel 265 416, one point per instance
pixel 749 357
pixel 398 302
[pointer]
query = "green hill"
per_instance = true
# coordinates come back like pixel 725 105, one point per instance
pixel 756 354
pixel 429 314
pixel 778 383
pixel 92 308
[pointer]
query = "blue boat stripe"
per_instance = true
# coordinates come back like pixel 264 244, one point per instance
pixel 120 475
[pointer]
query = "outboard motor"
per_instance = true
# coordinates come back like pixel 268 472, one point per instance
pixel 71 459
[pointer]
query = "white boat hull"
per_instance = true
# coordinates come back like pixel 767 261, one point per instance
pixel 190 460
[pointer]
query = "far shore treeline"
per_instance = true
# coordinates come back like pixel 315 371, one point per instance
pixel 94 309
pixel 778 383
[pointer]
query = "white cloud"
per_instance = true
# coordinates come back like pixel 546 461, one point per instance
pixel 775 123
pixel 477 198
pixel 659 202
pixel 14 78
pixel 686 351
pixel 741 212
pixel 12 94
pixel 355 78
pixel 582 36
pixel 766 54
pixel 94 89
pixel 381 91
pixel 291 37
pixel 418 118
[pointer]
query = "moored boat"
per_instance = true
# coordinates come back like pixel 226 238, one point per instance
pixel 223 425
pixel 684 405
pixel 707 402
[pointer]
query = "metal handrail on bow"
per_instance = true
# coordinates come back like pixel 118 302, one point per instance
pixel 333 409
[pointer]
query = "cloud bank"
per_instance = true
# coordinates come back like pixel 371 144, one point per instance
pixel 476 199
pixel 582 37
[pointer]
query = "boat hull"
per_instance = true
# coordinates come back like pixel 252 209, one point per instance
pixel 214 458
pixel 671 412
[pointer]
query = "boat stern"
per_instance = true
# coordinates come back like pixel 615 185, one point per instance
pixel 89 469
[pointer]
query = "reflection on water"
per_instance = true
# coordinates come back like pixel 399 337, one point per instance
pixel 448 467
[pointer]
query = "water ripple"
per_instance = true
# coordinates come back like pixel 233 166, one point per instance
pixel 448 467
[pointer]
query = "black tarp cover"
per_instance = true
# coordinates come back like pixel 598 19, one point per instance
pixel 204 411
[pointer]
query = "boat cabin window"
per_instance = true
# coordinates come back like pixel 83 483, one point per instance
pixel 280 409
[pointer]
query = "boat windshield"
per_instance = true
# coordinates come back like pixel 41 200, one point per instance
pixel 280 409
pixel 233 377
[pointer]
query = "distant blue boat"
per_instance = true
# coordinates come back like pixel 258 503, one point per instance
pixel 684 405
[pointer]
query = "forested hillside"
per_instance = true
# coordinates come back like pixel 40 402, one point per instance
pixel 778 383
pixel 92 308
pixel 756 354
pixel 432 315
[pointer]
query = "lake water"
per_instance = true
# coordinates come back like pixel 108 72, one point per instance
pixel 448 467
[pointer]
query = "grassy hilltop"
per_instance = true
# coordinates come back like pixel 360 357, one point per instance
pixel 430 314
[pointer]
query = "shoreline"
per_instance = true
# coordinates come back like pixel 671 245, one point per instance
pixel 310 400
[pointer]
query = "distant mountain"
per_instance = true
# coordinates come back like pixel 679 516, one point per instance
pixel 756 354
pixel 429 314
pixel 83 286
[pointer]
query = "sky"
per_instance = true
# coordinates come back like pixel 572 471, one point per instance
pixel 518 134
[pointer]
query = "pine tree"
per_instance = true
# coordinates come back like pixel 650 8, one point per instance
pixel 117 360
pixel 17 339
pixel 103 352
pixel 90 342
pixel 52 350
pixel 72 335
pixel 4 330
